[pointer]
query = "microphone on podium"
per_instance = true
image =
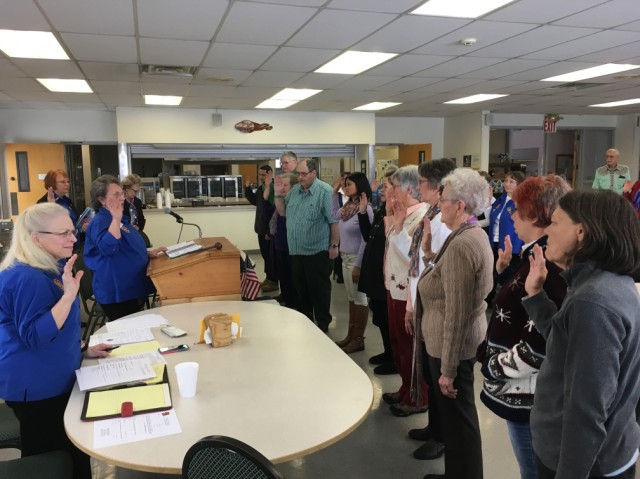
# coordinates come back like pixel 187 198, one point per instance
pixel 179 219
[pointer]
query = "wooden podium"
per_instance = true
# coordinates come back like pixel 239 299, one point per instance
pixel 204 275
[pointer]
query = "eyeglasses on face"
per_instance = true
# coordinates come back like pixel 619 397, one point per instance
pixel 63 234
pixel 302 174
pixel 63 182
pixel 117 194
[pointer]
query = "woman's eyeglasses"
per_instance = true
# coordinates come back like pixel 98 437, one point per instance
pixel 63 234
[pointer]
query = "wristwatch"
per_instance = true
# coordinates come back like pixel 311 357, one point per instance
pixel 334 245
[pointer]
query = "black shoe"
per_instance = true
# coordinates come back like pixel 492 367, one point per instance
pixel 421 434
pixel 430 450
pixel 391 398
pixel 385 369
pixel 380 358
pixel 435 476
pixel 404 410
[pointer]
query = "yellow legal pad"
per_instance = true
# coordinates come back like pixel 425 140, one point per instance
pixel 108 404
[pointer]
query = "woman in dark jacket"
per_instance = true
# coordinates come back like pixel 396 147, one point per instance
pixel 372 278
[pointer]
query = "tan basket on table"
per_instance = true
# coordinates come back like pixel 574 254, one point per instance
pixel 220 326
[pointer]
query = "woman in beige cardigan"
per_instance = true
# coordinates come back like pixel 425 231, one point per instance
pixel 451 309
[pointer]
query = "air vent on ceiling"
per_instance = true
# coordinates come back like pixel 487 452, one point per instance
pixel 575 86
pixel 165 70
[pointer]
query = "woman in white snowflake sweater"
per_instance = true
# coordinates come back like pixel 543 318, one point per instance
pixel 513 350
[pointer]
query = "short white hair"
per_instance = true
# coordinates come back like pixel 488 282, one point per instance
pixel 468 186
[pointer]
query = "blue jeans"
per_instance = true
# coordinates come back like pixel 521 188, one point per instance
pixel 520 435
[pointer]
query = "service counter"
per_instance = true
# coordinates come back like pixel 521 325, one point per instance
pixel 234 222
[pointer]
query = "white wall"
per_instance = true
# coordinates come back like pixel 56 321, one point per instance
pixel 513 120
pixel 55 126
pixel 467 135
pixel 627 141
pixel 165 125
pixel 412 131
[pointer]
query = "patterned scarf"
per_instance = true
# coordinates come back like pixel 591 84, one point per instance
pixel 418 341
pixel 350 209
pixel 416 241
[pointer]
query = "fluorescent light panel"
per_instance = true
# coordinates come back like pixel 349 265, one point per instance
pixel 352 62
pixel 65 86
pixel 606 69
pixel 473 99
pixel 633 101
pixel 377 105
pixel 459 8
pixel 23 44
pixel 166 100
pixel 287 97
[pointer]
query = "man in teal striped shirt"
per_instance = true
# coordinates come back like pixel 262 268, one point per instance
pixel 313 237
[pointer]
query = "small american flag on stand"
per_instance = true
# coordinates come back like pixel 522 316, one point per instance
pixel 249 282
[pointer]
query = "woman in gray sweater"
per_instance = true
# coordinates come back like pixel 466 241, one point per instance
pixel 583 419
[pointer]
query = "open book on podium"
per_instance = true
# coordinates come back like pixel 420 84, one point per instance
pixel 203 275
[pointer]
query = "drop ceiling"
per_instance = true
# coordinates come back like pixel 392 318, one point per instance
pixel 246 51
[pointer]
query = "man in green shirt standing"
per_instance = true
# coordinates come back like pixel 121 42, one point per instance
pixel 313 237
pixel 612 176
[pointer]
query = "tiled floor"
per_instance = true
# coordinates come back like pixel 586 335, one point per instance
pixel 380 447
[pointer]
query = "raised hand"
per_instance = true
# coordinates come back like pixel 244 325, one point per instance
pixel 71 283
pixel 504 257
pixel 50 197
pixel 426 236
pixel 279 186
pixel 399 215
pixel 537 272
pixel 364 202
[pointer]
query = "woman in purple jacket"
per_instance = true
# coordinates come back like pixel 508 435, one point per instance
pixel 352 245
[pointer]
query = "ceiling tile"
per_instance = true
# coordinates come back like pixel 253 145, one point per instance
pixel 575 48
pixel 164 89
pixel 406 84
pixel 237 57
pixel 208 76
pixel 623 53
pixel 540 11
pixel 157 51
pixel 101 48
pixel 338 29
pixel 606 15
pixel 8 69
pixel 409 32
pixel 365 82
pixel 298 59
pixel 245 23
pixel 458 66
pixel 550 70
pixel 114 17
pixel 405 65
pixel 320 81
pixel 22 15
pixel 274 79
pixel 129 88
pixel 533 40
pixel 110 71
pixel 508 67
pixel 183 20
pixel 397 6
pixel 48 68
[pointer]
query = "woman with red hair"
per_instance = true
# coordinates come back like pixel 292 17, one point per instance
pixel 513 350
pixel 56 182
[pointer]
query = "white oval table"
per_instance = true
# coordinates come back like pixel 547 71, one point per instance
pixel 284 388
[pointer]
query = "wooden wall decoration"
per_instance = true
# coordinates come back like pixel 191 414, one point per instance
pixel 248 126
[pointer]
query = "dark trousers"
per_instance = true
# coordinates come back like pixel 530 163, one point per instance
pixel 459 419
pixel 545 473
pixel 402 347
pixel 119 310
pixel 285 275
pixel 312 280
pixel 435 426
pixel 269 263
pixel 380 318
pixel 42 430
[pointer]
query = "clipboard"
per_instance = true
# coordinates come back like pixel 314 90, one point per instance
pixel 112 403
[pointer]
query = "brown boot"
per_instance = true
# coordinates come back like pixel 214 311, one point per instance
pixel 347 340
pixel 357 338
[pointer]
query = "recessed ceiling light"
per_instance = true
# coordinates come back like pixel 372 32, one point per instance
pixel 65 86
pixel 296 94
pixel 377 105
pixel 20 44
pixel 592 72
pixel 276 104
pixel 352 62
pixel 633 101
pixel 459 8
pixel 287 97
pixel 167 100
pixel 473 99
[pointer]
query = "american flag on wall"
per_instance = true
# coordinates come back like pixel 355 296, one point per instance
pixel 249 282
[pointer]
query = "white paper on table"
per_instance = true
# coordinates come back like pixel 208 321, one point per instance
pixel 112 373
pixel 144 321
pixel 112 432
pixel 126 336
pixel 154 357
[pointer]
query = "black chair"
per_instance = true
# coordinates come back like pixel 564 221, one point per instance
pixel 226 458
pixel 55 464
pixel 96 315
pixel 9 429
